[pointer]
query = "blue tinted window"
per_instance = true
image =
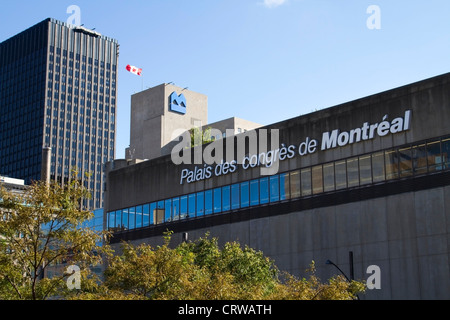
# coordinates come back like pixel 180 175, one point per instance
pixel 284 186
pixel 138 216
pixel 217 200
pixel 191 203
pixel 208 202
pixel 145 215
pixel 235 196
pixel 118 218
pixel 264 190
pixel 226 198
pixel 124 219
pixel 254 192
pixel 168 210
pixel 111 219
pixel 274 189
pixel 244 194
pixel 183 207
pixel 175 209
pixel 200 203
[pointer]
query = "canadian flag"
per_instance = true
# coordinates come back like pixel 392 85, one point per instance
pixel 135 70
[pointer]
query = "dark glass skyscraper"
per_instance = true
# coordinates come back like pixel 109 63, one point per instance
pixel 58 89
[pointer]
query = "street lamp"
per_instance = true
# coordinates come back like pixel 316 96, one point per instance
pixel 332 263
pixel 350 256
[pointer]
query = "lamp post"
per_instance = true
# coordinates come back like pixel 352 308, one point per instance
pixel 350 257
pixel 332 263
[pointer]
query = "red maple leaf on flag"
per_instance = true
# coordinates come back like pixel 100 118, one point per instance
pixel 134 70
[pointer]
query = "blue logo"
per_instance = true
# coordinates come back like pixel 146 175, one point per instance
pixel 177 103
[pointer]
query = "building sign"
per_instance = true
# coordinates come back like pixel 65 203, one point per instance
pixel 329 140
pixel 177 103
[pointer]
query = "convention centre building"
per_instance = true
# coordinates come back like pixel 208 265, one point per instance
pixel 361 188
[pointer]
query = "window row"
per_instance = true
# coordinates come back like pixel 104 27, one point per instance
pixel 352 172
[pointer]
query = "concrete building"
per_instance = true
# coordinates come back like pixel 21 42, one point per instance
pixel 370 177
pixel 156 121
pixel 58 90
pixel 233 126
pixel 159 116
pixel 16 186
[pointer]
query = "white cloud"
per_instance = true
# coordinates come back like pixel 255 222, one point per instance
pixel 273 3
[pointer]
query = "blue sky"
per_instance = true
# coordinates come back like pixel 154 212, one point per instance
pixel 261 60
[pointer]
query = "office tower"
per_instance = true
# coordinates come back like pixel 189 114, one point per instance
pixel 58 90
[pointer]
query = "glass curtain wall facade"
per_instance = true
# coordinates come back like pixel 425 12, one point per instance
pixel 58 88
pixel 404 162
pixel 23 61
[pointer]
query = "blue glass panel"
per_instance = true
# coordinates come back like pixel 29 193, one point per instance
pixel 132 218
pixel 118 218
pixel 124 219
pixel 200 204
pixel 274 189
pixel 244 194
pixel 139 217
pixel 264 190
pixel 217 200
pixel 146 215
pixel 254 192
pixel 111 219
pixel 226 198
pixel 168 210
pixel 175 209
pixel 191 204
pixel 208 202
pixel 284 186
pixel 183 207
pixel 235 202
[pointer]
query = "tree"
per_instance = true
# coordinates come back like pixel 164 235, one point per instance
pixel 42 229
pixel 201 270
pixel 199 137
pixel 250 273
pixel 311 288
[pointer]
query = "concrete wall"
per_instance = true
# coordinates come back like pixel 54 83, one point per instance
pixel 153 125
pixel 406 235
pixel 233 124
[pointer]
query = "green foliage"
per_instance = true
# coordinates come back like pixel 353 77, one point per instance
pixel 199 137
pixel 201 270
pixel 40 229
pixel 336 288
pixel 43 227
